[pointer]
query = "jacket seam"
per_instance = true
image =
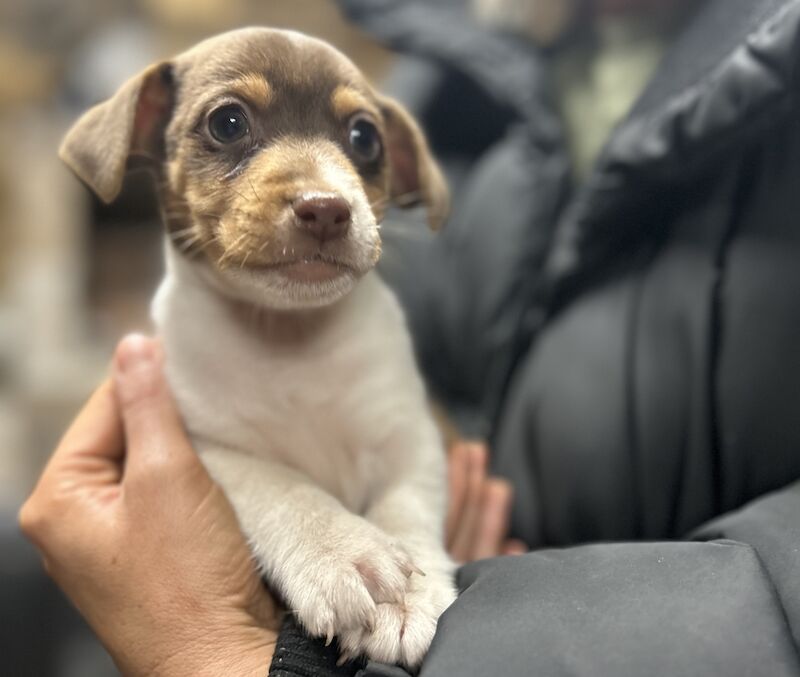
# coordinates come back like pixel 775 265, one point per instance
pixel 773 589
pixel 632 409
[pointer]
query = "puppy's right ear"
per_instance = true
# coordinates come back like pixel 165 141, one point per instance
pixel 131 123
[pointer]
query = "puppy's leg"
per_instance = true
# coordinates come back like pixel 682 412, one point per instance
pixel 412 511
pixel 403 632
pixel 331 567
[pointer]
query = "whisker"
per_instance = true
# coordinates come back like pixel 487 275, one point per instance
pixel 205 245
pixel 185 234
pixel 185 243
pixel 236 242
pixel 180 233
pixel 230 249
pixel 184 247
pixel 404 199
pixel 227 185
pixel 252 187
pixel 184 240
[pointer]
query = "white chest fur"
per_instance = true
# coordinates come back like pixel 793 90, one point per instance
pixel 319 391
pixel 315 424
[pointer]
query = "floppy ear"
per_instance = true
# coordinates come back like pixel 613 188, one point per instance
pixel 131 123
pixel 415 176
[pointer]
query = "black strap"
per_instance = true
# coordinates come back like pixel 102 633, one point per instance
pixel 298 655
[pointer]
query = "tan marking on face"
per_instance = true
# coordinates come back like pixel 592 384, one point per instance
pixel 346 101
pixel 256 228
pixel 254 88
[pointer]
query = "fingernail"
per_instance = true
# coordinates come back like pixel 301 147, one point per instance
pixel 134 352
pixel 415 569
pixel 515 547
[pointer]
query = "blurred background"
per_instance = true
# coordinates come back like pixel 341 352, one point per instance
pixel 75 274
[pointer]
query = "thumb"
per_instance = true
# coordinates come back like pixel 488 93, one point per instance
pixel 154 432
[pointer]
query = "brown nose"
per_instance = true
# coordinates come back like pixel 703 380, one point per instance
pixel 324 217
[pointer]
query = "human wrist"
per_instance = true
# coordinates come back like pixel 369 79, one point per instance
pixel 237 652
pixel 250 656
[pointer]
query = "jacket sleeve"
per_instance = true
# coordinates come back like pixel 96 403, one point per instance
pixel 725 603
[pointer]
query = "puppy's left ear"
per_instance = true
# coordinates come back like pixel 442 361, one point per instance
pixel 415 175
pixel 130 124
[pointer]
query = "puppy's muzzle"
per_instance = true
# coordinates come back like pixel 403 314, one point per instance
pixel 323 217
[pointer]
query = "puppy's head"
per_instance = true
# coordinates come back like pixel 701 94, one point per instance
pixel 275 159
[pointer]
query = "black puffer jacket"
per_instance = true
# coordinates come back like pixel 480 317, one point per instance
pixel 630 346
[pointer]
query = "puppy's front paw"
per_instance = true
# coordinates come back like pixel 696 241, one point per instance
pixel 337 589
pixel 403 630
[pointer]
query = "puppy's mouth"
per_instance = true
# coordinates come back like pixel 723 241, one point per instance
pixel 313 269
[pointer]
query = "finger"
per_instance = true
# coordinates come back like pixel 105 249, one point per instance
pixel 457 469
pixel 154 432
pixel 514 546
pixel 95 438
pixel 468 519
pixel 87 459
pixel 492 527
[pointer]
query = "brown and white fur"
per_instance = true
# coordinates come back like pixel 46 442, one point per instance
pixel 288 356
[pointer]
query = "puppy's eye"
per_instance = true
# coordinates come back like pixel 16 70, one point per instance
pixel 365 140
pixel 228 124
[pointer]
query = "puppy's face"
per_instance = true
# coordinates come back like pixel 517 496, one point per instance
pixel 276 161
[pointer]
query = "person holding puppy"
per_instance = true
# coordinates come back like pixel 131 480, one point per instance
pixel 618 318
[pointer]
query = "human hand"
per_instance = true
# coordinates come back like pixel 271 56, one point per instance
pixel 144 543
pixel 479 509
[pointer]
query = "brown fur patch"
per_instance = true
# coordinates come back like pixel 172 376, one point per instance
pixel 254 88
pixel 346 101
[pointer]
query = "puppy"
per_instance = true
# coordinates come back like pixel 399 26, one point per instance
pixel 289 358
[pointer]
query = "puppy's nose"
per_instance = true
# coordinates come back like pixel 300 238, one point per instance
pixel 324 217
